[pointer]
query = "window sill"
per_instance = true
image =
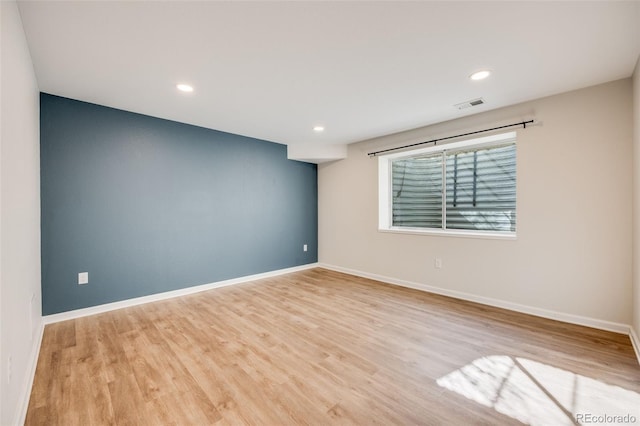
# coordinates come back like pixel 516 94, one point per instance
pixel 452 233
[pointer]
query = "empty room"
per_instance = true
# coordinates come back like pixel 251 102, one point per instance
pixel 319 212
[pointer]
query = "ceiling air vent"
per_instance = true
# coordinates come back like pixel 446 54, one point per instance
pixel 469 104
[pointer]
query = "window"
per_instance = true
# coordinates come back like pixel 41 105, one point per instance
pixel 466 188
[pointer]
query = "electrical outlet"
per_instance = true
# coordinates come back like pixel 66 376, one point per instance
pixel 304 247
pixel 83 278
pixel 438 263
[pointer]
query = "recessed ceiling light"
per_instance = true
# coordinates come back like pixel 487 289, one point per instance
pixel 480 75
pixel 318 129
pixel 184 88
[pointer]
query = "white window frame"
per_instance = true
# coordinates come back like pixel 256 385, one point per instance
pixel 385 184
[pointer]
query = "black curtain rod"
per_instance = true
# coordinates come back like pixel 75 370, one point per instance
pixel 435 141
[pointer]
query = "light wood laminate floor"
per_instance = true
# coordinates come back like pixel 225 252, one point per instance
pixel 320 347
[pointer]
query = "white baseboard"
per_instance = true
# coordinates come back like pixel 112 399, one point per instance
pixel 23 403
pixel 93 310
pixel 531 310
pixel 20 416
pixel 635 342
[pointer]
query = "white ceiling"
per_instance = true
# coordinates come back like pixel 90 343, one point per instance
pixel 273 70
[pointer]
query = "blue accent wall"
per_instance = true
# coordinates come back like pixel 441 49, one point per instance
pixel 146 205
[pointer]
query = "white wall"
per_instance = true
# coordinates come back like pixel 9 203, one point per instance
pixel 20 313
pixel 636 205
pixel 573 250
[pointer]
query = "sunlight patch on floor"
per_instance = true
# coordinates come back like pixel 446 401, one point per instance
pixel 539 394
